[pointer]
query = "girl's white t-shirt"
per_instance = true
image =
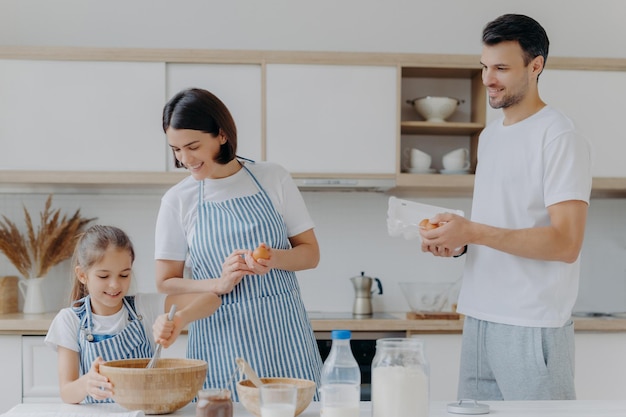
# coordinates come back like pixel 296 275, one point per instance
pixel 179 205
pixel 522 170
pixel 65 326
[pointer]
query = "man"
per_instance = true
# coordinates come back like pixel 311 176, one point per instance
pixel 531 193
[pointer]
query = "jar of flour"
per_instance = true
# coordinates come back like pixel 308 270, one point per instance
pixel 400 379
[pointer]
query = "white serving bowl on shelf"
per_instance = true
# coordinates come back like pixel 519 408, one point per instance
pixel 435 109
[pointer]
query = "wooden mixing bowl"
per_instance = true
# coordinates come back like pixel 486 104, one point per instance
pixel 249 395
pixel 161 390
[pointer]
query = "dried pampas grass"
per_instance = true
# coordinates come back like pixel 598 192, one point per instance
pixel 34 254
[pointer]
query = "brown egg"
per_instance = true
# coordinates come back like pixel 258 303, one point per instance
pixel 261 252
pixel 428 225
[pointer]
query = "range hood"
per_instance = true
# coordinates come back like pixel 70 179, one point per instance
pixel 313 183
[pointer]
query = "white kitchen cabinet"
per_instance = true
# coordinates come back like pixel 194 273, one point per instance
pixel 443 352
pixel 332 118
pixel 600 365
pixel 81 115
pixel 321 114
pixel 238 86
pixel 11 379
pixel 40 378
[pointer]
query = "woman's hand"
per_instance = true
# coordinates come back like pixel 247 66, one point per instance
pixel 234 269
pixel 98 385
pixel 259 260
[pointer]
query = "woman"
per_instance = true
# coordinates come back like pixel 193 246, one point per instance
pixel 210 222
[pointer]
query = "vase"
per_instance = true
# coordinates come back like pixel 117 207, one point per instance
pixel 33 295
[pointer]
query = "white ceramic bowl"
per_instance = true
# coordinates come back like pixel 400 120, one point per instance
pixel 435 109
pixel 426 296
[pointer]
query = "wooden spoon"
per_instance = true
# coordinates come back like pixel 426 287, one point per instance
pixel 245 367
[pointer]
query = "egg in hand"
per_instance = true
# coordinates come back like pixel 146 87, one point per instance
pixel 426 224
pixel 261 252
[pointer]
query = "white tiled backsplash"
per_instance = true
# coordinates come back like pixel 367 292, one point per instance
pixel 352 232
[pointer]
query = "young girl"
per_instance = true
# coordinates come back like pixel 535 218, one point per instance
pixel 104 324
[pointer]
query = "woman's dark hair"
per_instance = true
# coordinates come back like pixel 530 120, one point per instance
pixel 530 35
pixel 198 109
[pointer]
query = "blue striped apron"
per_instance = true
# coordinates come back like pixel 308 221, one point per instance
pixel 131 342
pixel 263 319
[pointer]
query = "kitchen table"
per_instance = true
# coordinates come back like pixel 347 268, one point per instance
pixel 606 408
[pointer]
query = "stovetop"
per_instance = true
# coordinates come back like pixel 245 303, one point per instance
pixel 322 315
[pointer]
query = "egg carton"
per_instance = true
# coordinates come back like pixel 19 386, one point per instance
pixel 404 216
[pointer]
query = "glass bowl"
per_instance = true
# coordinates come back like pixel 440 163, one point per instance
pixel 426 296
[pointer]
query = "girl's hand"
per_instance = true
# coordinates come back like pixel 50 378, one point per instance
pixel 259 260
pixel 166 331
pixel 98 385
pixel 234 269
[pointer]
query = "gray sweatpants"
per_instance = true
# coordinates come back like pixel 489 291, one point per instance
pixel 502 362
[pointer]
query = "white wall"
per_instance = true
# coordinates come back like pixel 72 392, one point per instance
pixel 350 226
pixel 576 27
pixel 135 214
pixel 352 232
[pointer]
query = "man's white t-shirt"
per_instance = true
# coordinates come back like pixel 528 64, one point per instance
pixel 522 170
pixel 179 205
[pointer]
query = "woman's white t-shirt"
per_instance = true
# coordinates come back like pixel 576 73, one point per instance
pixel 179 206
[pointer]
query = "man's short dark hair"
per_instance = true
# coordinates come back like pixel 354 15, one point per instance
pixel 530 35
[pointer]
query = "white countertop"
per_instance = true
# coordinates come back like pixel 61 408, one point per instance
pixel 615 408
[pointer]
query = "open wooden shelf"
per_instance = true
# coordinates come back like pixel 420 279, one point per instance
pixel 447 128
pixel 438 185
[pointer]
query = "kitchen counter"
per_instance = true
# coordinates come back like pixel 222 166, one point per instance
pixel 37 324
pixel 600 347
pixel 609 408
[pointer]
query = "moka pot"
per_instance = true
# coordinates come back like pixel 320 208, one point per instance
pixel 363 294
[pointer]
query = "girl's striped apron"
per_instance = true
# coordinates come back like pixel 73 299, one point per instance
pixel 131 342
pixel 263 319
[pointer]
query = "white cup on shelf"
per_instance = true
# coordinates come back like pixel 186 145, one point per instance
pixel 456 160
pixel 417 160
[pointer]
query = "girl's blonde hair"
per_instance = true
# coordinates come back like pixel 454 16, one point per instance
pixel 90 249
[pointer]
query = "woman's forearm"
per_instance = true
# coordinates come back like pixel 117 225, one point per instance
pixel 303 256
pixel 179 285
